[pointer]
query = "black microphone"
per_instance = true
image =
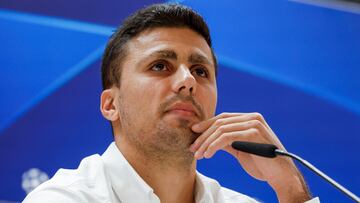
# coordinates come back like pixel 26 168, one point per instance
pixel 271 151
pixel 265 150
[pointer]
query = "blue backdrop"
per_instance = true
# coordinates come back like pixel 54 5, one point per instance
pixel 296 63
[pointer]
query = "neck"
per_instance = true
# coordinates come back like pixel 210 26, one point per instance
pixel 171 178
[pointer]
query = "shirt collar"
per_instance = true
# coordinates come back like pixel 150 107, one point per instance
pixel 128 186
pixel 205 189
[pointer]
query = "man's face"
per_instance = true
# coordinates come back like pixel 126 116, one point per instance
pixel 167 84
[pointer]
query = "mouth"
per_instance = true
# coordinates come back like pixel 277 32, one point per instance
pixel 182 110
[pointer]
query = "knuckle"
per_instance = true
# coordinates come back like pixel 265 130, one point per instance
pixel 225 114
pixel 221 129
pixel 256 123
pixel 258 116
pixel 219 122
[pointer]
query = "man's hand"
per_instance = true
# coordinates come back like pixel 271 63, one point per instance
pixel 218 133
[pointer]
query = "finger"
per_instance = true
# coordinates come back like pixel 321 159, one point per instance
pixel 202 126
pixel 216 122
pixel 211 135
pixel 232 127
pixel 228 138
pixel 201 139
pixel 225 125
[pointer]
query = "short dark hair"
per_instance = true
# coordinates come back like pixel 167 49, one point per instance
pixel 157 15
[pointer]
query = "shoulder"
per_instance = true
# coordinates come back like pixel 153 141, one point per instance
pixel 87 183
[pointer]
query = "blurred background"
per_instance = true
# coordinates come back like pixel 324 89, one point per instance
pixel 296 62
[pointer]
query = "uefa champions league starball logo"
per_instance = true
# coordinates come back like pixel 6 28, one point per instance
pixel 32 178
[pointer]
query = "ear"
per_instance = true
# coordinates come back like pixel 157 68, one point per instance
pixel 108 106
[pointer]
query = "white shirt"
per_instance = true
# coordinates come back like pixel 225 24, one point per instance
pixel 110 178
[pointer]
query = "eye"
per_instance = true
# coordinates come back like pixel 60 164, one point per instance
pixel 201 72
pixel 159 67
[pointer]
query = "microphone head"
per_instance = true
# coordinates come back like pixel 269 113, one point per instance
pixel 264 150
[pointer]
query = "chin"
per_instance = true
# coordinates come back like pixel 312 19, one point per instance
pixel 180 123
pixel 176 134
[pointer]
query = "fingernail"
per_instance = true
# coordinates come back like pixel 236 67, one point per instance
pixel 198 155
pixel 206 154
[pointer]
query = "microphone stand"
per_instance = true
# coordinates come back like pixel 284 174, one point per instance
pixel 318 172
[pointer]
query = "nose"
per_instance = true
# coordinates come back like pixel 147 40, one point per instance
pixel 184 82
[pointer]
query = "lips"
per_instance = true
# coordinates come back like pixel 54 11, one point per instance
pixel 184 109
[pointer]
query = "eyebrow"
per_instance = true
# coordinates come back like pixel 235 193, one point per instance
pixel 165 54
pixel 170 54
pixel 198 58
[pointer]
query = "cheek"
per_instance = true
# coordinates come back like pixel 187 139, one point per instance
pixel 208 98
pixel 211 106
pixel 143 96
pixel 130 92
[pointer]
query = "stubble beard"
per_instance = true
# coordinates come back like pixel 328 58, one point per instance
pixel 165 146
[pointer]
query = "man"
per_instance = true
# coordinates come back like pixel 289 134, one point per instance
pixel 159 79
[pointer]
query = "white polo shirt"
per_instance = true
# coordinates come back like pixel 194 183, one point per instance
pixel 110 178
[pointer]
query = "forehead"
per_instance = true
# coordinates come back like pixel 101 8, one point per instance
pixel 183 41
